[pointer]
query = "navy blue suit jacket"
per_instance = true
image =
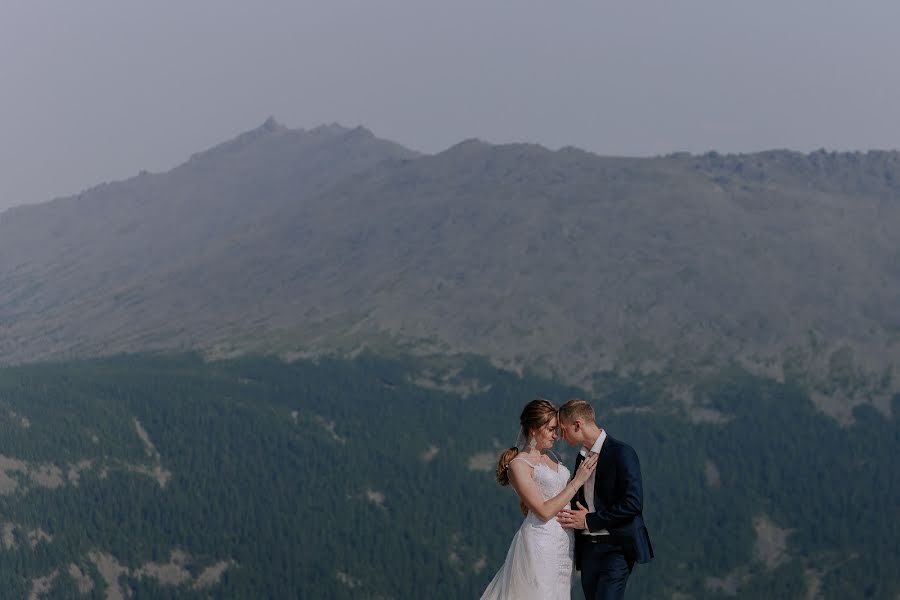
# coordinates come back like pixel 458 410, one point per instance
pixel 618 501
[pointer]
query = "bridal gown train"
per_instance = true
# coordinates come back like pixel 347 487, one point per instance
pixel 539 561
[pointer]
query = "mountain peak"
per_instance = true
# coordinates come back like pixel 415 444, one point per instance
pixel 359 132
pixel 271 125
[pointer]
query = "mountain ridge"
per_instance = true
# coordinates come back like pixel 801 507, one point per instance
pixel 302 242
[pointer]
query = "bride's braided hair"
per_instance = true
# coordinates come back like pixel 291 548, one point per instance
pixel 505 458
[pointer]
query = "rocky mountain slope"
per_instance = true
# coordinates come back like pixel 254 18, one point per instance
pixel 306 242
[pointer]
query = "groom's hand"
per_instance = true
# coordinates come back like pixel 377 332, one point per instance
pixel 573 519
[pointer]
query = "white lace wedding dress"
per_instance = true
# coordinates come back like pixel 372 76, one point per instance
pixel 539 562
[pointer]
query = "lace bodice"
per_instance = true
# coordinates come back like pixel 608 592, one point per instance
pixel 551 482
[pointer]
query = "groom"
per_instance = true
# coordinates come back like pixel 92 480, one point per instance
pixel 606 512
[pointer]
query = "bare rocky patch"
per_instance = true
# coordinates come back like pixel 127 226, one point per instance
pixel 695 409
pixel 47 476
pixel 157 471
pixel 376 497
pixel 174 573
pixel 450 382
pixel 8 484
pixel 75 470
pixel 700 414
pixel 110 570
pixel 9 536
pixel 20 420
pixel 212 575
pixel 631 410
pixel 463 557
pixel 149 448
pixel 330 428
pixel 82 580
pixel 171 573
pixel 17 476
pixel 479 565
pixel 771 542
pixel 36 536
pixel 12 533
pixel 483 461
pixel 430 453
pixel 838 406
pixel 347 580
pixel 728 584
pixel 42 585
pixel 711 472
pixel 813 584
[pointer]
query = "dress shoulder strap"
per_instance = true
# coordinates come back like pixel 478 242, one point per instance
pixel 524 461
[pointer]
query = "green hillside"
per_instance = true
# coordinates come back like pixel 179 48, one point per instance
pixel 254 478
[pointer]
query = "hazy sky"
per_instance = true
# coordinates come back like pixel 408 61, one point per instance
pixel 92 91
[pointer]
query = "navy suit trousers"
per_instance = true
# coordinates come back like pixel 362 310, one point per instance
pixel 604 571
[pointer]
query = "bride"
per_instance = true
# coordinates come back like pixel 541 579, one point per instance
pixel 539 561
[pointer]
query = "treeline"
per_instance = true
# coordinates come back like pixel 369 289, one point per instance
pixel 343 479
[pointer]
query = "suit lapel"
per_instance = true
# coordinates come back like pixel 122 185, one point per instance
pixel 603 470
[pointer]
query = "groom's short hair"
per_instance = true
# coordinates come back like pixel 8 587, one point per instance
pixel 576 408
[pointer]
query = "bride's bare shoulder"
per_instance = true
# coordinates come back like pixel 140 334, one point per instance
pixel 521 467
pixel 522 462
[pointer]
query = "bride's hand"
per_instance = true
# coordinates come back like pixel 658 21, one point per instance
pixel 585 469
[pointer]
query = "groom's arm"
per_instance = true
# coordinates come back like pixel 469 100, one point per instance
pixel 630 502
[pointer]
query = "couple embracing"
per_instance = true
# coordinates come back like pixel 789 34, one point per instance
pixel 594 517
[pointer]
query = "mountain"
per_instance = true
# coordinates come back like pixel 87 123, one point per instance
pixel 365 322
pixel 300 243
pixel 144 263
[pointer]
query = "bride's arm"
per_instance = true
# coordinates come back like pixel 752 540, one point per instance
pixel 521 480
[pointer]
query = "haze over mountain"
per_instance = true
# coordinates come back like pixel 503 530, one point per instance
pixel 303 242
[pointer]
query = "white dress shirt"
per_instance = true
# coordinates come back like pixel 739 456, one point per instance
pixel 589 484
